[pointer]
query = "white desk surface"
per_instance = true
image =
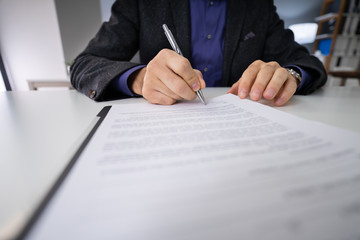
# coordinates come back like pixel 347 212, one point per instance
pixel 41 130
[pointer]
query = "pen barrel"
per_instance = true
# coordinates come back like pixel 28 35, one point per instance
pixel 171 39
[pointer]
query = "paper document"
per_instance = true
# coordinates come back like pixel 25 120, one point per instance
pixel 233 169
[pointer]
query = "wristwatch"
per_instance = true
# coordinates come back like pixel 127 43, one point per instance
pixel 295 74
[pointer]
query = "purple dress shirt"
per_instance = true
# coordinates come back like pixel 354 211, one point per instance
pixel 208 18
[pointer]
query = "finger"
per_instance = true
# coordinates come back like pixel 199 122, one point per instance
pixel 171 84
pixel 263 77
pixel 162 88
pixel 286 92
pixel 277 81
pixel 234 88
pixel 248 78
pixel 157 97
pixel 154 84
pixel 182 67
pixel 176 85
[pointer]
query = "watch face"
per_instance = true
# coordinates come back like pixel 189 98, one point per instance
pixel 295 74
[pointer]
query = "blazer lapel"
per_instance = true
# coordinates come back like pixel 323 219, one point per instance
pixel 236 10
pixel 181 29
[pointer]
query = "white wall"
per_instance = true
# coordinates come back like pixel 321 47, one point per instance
pixel 105 6
pixel 30 42
pixel 79 21
pixel 294 11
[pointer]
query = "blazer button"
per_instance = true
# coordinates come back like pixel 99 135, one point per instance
pixel 92 93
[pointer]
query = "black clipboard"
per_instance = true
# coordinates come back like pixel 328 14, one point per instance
pixel 41 207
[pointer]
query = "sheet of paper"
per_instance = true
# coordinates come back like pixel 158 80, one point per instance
pixel 233 169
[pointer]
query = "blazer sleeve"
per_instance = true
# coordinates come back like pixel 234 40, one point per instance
pixel 280 46
pixel 108 54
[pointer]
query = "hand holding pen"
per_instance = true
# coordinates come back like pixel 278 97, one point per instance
pixel 176 48
pixel 168 77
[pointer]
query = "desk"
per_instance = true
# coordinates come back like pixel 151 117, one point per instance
pixel 40 132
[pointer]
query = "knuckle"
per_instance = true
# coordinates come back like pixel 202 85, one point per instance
pixel 274 64
pixel 249 74
pixel 257 63
pixel 183 65
pixel 164 52
pixel 150 65
pixel 269 67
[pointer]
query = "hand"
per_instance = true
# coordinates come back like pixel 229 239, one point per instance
pixel 168 77
pixel 268 80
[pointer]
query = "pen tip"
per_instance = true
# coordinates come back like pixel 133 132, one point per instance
pixel 201 96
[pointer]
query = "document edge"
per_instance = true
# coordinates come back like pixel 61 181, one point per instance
pixel 48 196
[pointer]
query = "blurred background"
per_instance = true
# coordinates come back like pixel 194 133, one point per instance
pixel 39 39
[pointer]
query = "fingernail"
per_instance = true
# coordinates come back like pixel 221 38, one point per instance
pixel 195 86
pixel 269 93
pixel 255 94
pixel 280 101
pixel 243 93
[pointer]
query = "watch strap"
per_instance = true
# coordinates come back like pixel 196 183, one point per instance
pixel 295 74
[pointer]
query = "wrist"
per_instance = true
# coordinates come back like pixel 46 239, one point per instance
pixel 295 74
pixel 136 80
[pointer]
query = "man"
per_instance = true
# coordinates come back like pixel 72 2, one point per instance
pixel 238 43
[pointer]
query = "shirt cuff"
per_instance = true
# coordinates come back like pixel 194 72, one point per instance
pixel 121 83
pixel 305 76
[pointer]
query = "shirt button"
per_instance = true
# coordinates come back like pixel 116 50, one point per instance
pixel 209 36
pixel 211 3
pixel 206 69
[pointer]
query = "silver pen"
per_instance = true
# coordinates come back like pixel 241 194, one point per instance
pixel 176 48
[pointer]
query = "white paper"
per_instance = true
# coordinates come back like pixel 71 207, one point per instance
pixel 233 169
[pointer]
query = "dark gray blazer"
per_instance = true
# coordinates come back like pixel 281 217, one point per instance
pixel 253 31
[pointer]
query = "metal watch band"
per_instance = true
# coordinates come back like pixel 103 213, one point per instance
pixel 295 74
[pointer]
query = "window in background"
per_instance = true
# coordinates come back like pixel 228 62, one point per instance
pixel 295 12
pixel 304 32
